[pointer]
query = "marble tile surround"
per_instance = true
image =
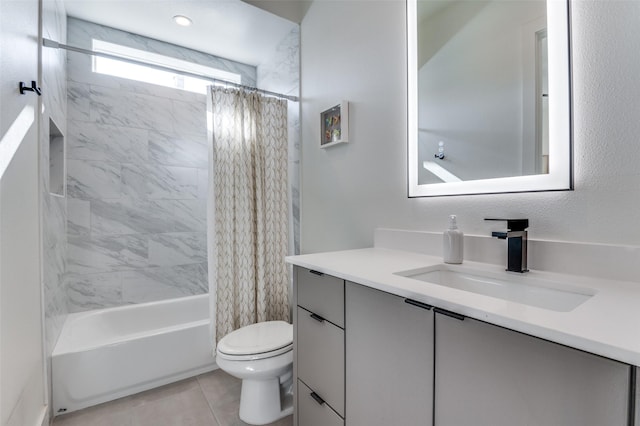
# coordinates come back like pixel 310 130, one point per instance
pixel 281 74
pixel 54 208
pixel 137 173
pixel 137 179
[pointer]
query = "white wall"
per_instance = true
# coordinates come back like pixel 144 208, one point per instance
pixel 22 389
pixel 356 51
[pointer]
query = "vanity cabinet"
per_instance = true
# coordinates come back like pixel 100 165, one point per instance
pixel 319 348
pixel 389 359
pixel 488 375
pixel 367 357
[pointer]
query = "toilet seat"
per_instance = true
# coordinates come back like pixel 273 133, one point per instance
pixel 257 341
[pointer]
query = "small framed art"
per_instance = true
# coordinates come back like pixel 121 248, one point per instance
pixel 334 125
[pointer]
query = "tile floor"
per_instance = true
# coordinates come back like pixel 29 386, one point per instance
pixel 210 399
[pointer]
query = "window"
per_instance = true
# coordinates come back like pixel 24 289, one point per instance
pixel 149 74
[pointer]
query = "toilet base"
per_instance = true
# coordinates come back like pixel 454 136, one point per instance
pixel 263 401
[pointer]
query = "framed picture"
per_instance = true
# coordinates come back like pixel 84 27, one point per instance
pixel 334 125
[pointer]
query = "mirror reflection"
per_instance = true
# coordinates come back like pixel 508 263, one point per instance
pixel 482 90
pixel 489 97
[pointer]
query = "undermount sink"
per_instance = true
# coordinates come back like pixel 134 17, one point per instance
pixel 527 290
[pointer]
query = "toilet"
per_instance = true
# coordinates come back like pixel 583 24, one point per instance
pixel 262 356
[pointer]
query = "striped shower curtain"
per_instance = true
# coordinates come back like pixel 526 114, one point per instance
pixel 247 214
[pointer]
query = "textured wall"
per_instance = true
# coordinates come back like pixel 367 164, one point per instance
pixel 137 180
pixel 350 189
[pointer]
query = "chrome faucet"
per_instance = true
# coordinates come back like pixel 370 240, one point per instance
pixel 516 237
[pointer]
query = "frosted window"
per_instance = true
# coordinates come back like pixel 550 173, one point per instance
pixel 148 74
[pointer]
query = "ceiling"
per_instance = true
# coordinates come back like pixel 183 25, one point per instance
pixel 293 10
pixel 231 29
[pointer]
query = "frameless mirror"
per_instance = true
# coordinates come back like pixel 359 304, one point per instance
pixel 489 96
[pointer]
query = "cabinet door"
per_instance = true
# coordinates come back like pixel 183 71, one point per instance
pixel 491 376
pixel 389 359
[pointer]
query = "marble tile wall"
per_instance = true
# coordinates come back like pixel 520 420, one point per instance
pixel 136 179
pixel 281 73
pixel 53 207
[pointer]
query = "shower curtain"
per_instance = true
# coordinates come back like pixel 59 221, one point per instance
pixel 247 209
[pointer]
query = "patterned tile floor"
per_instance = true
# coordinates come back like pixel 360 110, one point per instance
pixel 210 399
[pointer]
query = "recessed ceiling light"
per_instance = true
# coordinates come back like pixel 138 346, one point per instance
pixel 182 20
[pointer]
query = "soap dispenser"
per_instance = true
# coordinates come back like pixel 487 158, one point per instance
pixel 452 242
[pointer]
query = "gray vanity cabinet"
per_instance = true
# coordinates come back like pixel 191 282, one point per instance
pixel 319 349
pixel 389 359
pixel 363 357
pixel 488 375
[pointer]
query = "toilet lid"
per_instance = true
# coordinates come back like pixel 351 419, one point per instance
pixel 257 338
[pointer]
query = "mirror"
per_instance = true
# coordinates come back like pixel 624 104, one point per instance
pixel 489 96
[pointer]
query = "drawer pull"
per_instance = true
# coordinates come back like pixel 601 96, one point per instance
pixel 317 398
pixel 449 314
pixel 418 304
pixel 317 317
pixel 316 272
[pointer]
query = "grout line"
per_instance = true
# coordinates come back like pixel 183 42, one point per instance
pixel 213 412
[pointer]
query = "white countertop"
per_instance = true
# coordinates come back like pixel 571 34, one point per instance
pixel 608 324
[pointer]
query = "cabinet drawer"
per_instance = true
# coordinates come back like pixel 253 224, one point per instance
pixel 320 358
pixel 321 294
pixel 314 413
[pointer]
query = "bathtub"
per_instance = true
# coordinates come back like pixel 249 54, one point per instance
pixel 106 354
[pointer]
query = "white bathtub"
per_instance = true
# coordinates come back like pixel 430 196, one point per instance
pixel 106 354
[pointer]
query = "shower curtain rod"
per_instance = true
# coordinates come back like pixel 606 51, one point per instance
pixel 54 44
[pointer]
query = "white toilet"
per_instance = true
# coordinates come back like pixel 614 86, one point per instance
pixel 262 356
